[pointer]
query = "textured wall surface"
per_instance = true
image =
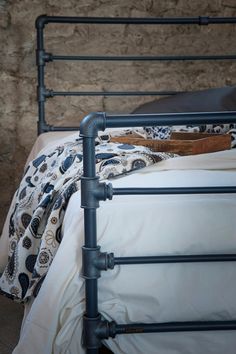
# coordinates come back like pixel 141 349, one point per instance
pixel 18 74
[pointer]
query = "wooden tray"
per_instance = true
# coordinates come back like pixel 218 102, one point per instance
pixel 182 143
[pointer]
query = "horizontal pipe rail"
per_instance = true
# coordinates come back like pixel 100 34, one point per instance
pixel 175 259
pixel 174 190
pixel 142 58
pixel 175 327
pixel 60 129
pixel 201 20
pixel 137 120
pixel 112 93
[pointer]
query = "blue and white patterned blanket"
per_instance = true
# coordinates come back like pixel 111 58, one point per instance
pixel 41 200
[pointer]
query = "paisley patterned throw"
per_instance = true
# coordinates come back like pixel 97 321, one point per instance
pixel 41 200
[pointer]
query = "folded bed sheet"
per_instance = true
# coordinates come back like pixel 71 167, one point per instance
pixel 151 225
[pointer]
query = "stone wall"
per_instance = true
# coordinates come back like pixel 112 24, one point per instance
pixel 18 106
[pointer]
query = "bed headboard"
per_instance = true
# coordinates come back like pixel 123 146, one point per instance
pixel 43 57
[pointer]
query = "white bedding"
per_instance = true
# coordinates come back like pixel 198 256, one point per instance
pixel 153 225
pixel 45 140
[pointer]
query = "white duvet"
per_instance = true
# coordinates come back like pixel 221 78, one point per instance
pixel 147 225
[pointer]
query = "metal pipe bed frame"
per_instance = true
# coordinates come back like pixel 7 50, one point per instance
pixel 95 329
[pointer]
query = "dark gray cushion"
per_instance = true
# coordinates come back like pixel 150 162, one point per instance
pixel 211 100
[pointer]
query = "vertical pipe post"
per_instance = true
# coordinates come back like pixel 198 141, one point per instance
pixel 89 202
pixel 90 232
pixel 40 62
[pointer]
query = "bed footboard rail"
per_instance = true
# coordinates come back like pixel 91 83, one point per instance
pixel 94 261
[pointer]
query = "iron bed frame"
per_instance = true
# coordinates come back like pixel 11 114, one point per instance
pixel 95 329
